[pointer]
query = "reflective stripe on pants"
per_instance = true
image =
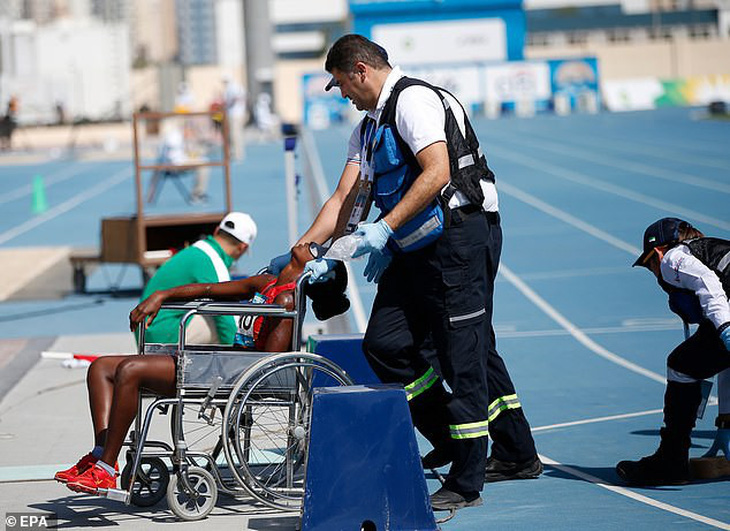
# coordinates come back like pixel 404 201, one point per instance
pixel 422 384
pixel 502 403
pixel 471 430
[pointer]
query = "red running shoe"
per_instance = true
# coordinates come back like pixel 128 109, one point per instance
pixel 82 466
pixel 92 480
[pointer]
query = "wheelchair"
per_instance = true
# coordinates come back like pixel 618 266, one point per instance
pixel 239 421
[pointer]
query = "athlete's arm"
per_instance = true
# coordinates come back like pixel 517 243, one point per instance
pixel 680 268
pixel 147 310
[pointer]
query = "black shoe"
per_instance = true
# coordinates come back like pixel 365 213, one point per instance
pixel 654 470
pixel 436 458
pixel 503 470
pixel 447 500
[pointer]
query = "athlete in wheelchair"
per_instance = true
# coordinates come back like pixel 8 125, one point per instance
pixel 115 382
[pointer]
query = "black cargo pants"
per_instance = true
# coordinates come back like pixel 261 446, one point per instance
pixel 439 292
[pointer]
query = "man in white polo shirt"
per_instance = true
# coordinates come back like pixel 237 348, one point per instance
pixel 434 250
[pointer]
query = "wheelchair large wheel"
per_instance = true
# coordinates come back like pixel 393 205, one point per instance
pixel 266 424
pixel 197 504
pixel 200 435
pixel 151 481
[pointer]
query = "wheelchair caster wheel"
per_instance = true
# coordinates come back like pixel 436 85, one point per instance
pixel 151 482
pixel 196 505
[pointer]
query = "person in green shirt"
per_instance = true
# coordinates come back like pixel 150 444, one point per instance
pixel 206 261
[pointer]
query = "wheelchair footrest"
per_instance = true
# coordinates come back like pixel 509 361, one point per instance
pixel 115 494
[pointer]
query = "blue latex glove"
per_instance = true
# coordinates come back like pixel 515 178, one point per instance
pixel 278 263
pixel 725 336
pixel 377 263
pixel 374 237
pixel 322 269
pixel 720 444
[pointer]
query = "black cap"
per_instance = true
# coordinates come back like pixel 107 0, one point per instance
pixel 328 297
pixel 330 84
pixel 662 232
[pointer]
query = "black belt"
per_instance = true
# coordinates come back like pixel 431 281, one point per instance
pixel 467 210
pixel 461 213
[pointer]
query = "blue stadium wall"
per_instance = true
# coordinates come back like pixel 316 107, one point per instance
pixel 369 13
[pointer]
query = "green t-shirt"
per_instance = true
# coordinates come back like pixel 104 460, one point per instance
pixel 190 266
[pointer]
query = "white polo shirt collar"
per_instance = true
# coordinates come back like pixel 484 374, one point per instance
pixel 395 74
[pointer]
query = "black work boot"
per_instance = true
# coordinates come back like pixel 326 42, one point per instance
pixel 447 500
pixel 504 470
pixel 669 465
pixel 663 467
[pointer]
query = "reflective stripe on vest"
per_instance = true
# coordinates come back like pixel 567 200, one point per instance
pixel 502 403
pixel 421 232
pixel 471 430
pixel 422 384
pixel 469 160
pixel 724 262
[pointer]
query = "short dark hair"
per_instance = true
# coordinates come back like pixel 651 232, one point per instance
pixel 353 48
pixel 230 238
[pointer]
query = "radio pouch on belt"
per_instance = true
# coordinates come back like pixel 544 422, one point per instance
pixel 393 178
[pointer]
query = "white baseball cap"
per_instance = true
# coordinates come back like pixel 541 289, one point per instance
pixel 239 225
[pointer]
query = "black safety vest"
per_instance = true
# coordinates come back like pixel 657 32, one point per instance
pixel 715 254
pixel 467 163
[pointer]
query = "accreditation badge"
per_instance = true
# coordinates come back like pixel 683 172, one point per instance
pixel 362 203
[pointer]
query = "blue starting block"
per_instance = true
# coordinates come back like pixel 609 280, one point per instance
pixel 364 470
pixel 346 351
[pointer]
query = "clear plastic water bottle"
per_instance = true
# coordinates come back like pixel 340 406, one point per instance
pixel 344 247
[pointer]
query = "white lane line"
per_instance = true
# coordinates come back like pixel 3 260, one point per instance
pixel 626 165
pixel 315 164
pixel 358 309
pixel 567 174
pixel 597 419
pixel 567 218
pixel 623 491
pixel 67 205
pixel 573 330
pixel 665 154
pixel 514 334
pixel 711 402
pixel 54 178
pixel 576 273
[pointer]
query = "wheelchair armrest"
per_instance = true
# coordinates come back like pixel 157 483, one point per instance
pixel 208 307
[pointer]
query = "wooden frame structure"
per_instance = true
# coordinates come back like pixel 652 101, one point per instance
pixel 146 240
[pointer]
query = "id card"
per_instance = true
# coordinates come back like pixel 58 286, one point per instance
pixel 361 205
